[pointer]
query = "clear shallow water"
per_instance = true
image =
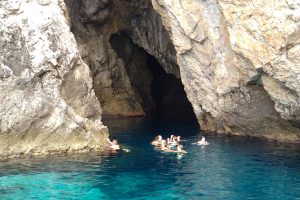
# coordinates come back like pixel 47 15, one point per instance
pixel 229 168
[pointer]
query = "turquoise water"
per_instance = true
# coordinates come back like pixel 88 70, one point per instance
pixel 229 168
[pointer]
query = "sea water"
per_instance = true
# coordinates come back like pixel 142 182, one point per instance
pixel 228 168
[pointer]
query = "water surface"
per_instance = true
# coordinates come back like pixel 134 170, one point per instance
pixel 229 168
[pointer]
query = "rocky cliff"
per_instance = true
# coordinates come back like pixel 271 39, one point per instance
pixel 93 23
pixel 239 63
pixel 237 60
pixel 47 99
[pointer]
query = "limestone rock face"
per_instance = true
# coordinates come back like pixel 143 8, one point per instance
pixel 238 60
pixel 239 63
pixel 47 100
pixel 94 22
pixel 93 26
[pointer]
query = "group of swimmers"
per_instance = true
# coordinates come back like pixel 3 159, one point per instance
pixel 171 144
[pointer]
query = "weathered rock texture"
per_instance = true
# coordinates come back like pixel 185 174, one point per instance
pixel 238 60
pixel 93 23
pixel 47 101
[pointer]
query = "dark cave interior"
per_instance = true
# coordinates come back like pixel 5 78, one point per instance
pixel 160 94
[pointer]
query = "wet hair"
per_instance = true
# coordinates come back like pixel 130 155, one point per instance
pixel 177 138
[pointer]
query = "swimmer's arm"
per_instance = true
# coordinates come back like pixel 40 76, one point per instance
pixel 171 138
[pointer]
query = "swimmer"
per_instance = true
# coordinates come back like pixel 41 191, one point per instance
pixel 114 144
pixel 172 140
pixel 163 145
pixel 179 149
pixel 178 139
pixel 202 141
pixel 172 145
pixel 157 140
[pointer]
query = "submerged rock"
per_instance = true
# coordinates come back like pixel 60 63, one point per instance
pixel 47 101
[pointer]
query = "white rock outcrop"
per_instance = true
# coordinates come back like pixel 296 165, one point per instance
pixel 47 101
pixel 239 63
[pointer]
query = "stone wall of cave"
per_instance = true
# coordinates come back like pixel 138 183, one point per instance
pixel 131 56
pixel 158 92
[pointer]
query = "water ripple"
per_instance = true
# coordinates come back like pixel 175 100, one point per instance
pixel 229 168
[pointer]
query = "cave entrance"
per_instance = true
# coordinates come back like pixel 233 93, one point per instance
pixel 160 94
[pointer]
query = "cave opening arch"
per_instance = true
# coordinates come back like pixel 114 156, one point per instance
pixel 160 94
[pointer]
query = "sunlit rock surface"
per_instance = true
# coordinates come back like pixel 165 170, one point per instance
pixel 239 62
pixel 47 101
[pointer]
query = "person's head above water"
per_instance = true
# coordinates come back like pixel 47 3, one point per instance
pixel 203 138
pixel 159 137
pixel 115 141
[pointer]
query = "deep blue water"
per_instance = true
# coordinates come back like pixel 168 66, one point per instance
pixel 229 168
